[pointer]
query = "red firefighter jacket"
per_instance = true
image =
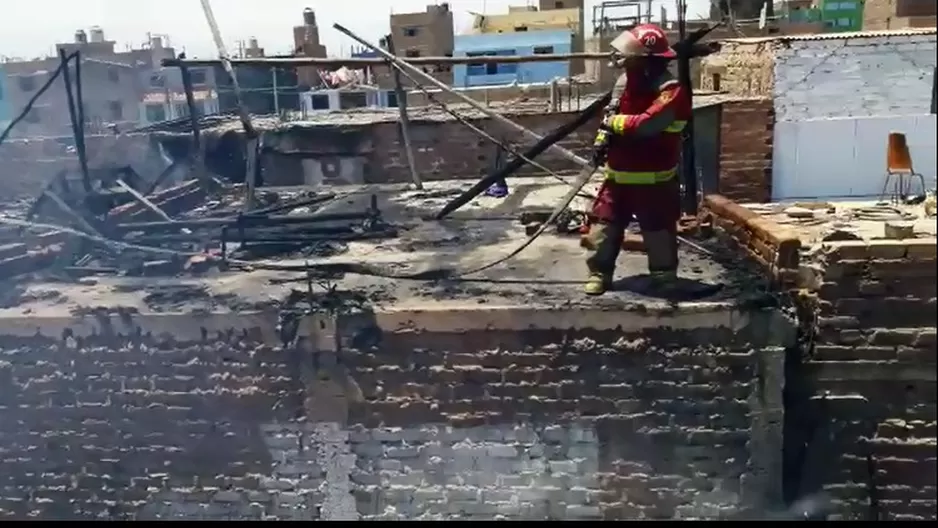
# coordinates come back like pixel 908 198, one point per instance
pixel 645 131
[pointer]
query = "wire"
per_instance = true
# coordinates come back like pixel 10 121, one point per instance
pixel 35 97
pixel 443 106
pixel 358 269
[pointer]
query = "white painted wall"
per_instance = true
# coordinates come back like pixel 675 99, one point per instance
pixel 837 158
pixel 836 101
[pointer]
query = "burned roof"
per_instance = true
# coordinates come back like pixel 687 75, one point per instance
pixel 549 272
pixel 220 123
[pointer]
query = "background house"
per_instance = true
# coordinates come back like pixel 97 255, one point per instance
pixel 836 98
pixel 508 44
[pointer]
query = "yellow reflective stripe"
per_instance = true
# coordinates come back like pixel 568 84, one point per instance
pixel 639 178
pixel 600 138
pixel 618 123
pixel 676 127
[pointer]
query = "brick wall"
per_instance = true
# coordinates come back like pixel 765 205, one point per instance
pixel 882 14
pixel 450 150
pixel 140 428
pixel 740 68
pixel 871 76
pixel 554 425
pixel 872 379
pixel 746 132
pixel 27 165
pixel 430 425
pixel 442 150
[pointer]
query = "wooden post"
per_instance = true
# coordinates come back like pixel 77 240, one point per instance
pixel 273 75
pixel 405 121
pixel 198 163
pixel 73 114
pixel 250 174
pixel 143 200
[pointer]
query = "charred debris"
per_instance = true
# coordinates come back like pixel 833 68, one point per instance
pixel 114 221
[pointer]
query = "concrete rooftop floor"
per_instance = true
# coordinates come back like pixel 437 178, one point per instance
pixel 548 273
pixel 865 219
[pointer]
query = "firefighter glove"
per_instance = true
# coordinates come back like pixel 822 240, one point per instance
pixel 616 123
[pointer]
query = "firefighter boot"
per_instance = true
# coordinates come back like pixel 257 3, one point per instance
pixel 605 242
pixel 661 247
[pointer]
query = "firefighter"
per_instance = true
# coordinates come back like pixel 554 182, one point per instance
pixel 639 142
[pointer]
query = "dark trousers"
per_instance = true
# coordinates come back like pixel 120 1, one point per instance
pixel 656 207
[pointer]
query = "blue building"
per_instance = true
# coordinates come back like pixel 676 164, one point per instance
pixel 361 52
pixel 521 43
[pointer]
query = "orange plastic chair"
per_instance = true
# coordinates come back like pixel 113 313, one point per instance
pixel 899 168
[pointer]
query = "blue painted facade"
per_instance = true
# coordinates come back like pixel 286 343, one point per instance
pixel 360 52
pixel 523 43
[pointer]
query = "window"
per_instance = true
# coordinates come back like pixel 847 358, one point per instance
pixel 521 29
pixel 33 116
pixel 543 50
pixel 411 31
pixel 113 75
pixel 180 110
pixel 27 83
pixel 716 81
pixel 349 100
pixel 197 76
pixel 831 6
pixel 491 68
pixel 412 53
pixel 319 101
pixel 843 22
pixel 916 8
pixel 392 99
pixel 157 81
pixel 155 113
pixel 116 110
pixel 558 5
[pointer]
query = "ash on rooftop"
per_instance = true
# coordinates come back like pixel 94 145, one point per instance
pixel 211 257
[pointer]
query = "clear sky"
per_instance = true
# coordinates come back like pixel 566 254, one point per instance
pixel 30 28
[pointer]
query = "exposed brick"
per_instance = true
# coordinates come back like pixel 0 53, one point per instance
pixel 746 150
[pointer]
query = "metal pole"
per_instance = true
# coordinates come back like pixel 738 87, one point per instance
pixel 73 115
pixel 229 69
pixel 250 132
pixel 405 120
pixel 688 158
pixel 359 63
pixel 80 102
pixel 190 102
pixel 582 162
pixel 273 75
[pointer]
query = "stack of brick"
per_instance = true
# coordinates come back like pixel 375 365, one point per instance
pixel 774 247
